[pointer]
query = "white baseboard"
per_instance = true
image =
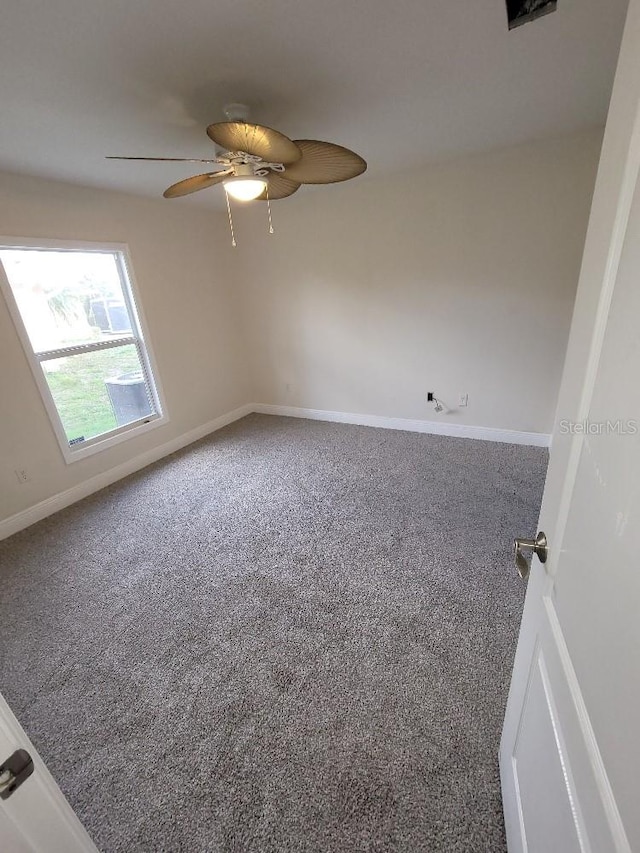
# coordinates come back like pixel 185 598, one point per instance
pixel 508 436
pixel 57 502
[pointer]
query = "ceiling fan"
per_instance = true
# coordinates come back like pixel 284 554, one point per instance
pixel 258 162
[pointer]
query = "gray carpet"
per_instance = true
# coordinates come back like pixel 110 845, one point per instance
pixel 291 636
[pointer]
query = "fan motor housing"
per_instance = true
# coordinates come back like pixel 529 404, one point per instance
pixel 244 170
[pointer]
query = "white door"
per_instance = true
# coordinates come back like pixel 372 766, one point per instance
pixel 570 750
pixel 36 818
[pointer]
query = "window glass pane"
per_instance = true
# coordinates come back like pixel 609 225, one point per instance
pixel 99 391
pixel 67 298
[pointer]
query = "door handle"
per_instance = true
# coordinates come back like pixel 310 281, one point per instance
pixel 14 771
pixel 539 546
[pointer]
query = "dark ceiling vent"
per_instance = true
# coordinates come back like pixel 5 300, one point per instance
pixel 522 11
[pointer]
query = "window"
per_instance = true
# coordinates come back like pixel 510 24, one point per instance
pixel 74 309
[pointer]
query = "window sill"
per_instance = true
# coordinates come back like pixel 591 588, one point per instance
pixel 100 443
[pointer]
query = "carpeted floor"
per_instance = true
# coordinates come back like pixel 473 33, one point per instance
pixel 291 636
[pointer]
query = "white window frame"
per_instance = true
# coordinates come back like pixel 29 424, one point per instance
pixel 139 337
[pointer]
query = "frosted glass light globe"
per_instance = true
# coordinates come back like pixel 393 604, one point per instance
pixel 245 188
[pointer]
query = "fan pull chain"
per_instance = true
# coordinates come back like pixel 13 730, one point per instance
pixel 233 236
pixel 269 211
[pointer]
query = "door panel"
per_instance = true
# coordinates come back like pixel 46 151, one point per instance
pixel 569 752
pixel 565 799
pixel 597 592
pixel 539 752
pixel 10 836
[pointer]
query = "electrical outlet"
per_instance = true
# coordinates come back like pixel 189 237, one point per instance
pixel 23 475
pixel 430 397
pixel 463 401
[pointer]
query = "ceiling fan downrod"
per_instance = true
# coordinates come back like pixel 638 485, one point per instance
pixel 236 112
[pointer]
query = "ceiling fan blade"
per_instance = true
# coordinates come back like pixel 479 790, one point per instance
pixel 197 182
pixel 169 159
pixel 270 145
pixel 324 163
pixel 279 187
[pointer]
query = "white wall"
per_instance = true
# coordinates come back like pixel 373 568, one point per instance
pixel 181 268
pixel 457 278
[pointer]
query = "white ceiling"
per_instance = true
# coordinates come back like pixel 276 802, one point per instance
pixel 402 83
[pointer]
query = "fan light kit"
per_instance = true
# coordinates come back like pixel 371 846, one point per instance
pixel 259 163
pixel 245 188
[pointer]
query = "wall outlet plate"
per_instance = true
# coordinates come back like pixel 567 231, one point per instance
pixel 463 401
